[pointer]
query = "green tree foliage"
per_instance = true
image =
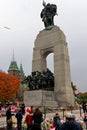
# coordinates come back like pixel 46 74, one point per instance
pixel 82 97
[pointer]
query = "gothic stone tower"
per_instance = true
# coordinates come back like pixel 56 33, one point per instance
pixel 18 72
pixel 54 41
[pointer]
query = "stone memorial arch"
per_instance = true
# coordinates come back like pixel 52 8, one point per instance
pixel 54 41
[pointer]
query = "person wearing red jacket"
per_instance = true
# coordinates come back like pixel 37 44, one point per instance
pixel 29 119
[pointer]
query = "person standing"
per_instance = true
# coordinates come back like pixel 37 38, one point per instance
pixel 56 121
pixel 70 123
pixel 37 117
pixel 29 119
pixel 9 118
pixel 23 108
pixel 19 119
pixel 84 107
pixel 85 120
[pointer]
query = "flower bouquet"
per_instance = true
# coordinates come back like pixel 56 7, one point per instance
pixel 14 120
pixel 47 125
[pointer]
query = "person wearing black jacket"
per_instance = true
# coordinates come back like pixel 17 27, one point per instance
pixel 56 121
pixel 23 108
pixel 9 118
pixel 85 120
pixel 19 117
pixel 70 123
pixel 37 117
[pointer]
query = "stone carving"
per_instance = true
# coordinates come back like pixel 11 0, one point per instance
pixel 40 80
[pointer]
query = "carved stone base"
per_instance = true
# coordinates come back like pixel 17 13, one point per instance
pixel 39 98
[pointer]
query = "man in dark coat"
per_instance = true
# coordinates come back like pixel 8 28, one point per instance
pixel 56 121
pixel 23 108
pixel 84 107
pixel 85 120
pixel 70 123
pixel 37 117
pixel 19 119
pixel 9 118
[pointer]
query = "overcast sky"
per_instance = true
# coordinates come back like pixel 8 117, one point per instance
pixel 23 19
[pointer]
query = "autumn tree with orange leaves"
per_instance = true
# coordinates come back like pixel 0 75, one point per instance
pixel 9 85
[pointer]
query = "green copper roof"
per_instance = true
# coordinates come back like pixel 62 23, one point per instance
pixel 21 69
pixel 13 66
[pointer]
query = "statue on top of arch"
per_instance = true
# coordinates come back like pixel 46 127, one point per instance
pixel 47 15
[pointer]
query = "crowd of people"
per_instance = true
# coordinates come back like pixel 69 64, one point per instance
pixel 34 118
pixel 70 122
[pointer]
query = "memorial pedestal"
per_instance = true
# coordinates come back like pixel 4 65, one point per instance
pixel 39 98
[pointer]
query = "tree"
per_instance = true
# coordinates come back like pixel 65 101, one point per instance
pixel 82 97
pixel 9 85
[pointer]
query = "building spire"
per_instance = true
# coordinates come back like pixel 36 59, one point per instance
pixel 13 65
pixel 21 69
pixel 13 59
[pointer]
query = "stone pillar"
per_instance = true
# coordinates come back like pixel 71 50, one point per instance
pixel 39 62
pixel 63 90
